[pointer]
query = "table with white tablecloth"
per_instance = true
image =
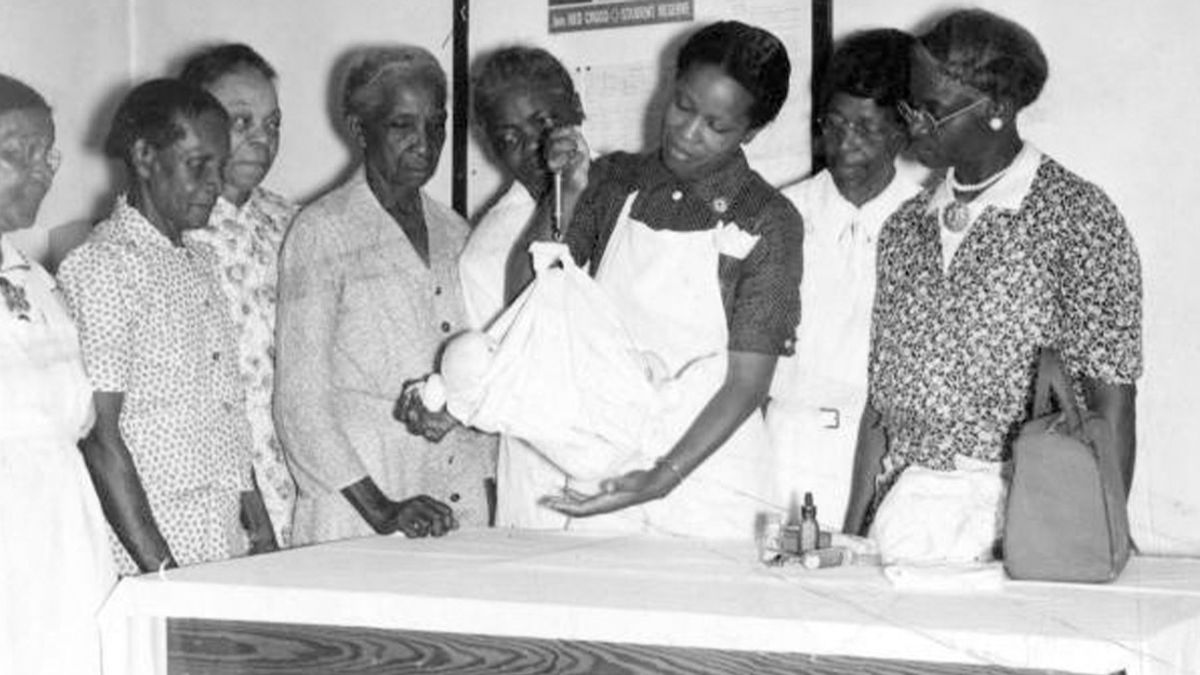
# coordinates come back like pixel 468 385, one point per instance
pixel 530 600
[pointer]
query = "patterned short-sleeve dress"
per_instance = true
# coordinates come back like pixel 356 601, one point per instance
pixel 954 346
pixel 153 326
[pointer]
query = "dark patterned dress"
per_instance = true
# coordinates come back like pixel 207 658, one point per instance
pixel 954 347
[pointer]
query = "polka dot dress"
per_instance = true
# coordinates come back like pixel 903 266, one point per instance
pixel 153 326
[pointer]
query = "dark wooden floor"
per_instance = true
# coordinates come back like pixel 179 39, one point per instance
pixel 202 647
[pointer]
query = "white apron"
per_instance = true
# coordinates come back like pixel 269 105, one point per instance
pixel 665 286
pixel 56 567
pixel 814 447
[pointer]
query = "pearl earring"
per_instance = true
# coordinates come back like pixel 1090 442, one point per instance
pixel 995 124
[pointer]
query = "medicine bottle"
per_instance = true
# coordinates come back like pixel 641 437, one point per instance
pixel 810 531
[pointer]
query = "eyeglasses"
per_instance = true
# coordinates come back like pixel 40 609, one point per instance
pixel 920 117
pixel 26 156
pixel 836 125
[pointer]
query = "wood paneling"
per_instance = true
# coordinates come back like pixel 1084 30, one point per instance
pixel 202 647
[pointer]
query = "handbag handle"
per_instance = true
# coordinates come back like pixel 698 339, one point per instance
pixel 1052 379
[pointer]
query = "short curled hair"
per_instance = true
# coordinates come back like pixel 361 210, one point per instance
pixel 152 111
pixel 521 68
pixel 989 53
pixel 754 58
pixel 209 65
pixel 871 64
pixel 369 70
pixel 16 95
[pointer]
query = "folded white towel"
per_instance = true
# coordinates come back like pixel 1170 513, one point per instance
pixel 948 578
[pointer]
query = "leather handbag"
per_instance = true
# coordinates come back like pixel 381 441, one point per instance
pixel 1066 518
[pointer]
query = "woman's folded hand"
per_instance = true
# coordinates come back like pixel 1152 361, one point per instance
pixel 417 417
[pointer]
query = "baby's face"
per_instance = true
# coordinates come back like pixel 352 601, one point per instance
pixel 466 360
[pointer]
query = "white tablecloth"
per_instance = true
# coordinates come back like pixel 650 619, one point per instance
pixel 676 592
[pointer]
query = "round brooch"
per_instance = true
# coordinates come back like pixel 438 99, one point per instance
pixel 956 217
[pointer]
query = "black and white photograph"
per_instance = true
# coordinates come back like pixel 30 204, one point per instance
pixel 819 337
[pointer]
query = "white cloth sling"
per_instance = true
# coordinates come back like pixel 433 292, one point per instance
pixel 665 287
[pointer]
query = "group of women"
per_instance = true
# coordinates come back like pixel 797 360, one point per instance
pixel 194 347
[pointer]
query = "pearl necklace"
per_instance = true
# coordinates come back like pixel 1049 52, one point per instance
pixel 975 187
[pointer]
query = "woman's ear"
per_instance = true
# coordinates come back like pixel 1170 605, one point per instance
pixel 355 127
pixel 143 156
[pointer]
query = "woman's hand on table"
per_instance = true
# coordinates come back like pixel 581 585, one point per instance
pixel 631 489
pixel 423 516
pixel 433 425
pixel 416 516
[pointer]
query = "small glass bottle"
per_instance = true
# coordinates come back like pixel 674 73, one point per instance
pixel 810 531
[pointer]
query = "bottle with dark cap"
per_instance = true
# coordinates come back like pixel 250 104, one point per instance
pixel 810 531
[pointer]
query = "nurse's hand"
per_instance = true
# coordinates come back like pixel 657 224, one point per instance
pixel 423 516
pixel 631 489
pixel 566 151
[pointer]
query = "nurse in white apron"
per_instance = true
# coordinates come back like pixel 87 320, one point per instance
pixel 702 259
pixel 55 564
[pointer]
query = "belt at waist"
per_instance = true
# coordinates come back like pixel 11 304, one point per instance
pixel 832 414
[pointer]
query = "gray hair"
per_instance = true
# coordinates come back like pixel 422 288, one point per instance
pixel 370 70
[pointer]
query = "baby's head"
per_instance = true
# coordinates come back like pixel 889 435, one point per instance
pixel 465 362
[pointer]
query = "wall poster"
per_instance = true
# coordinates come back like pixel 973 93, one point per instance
pixel 576 15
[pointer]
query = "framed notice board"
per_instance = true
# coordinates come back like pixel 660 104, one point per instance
pixel 621 55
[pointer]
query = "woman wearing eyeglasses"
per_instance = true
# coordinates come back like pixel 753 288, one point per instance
pixel 55 564
pixel 1009 253
pixel 818 394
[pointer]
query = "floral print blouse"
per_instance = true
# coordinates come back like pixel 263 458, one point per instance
pixel 244 242
pixel 1047 261
pixel 151 326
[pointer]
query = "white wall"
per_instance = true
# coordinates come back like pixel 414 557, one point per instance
pixel 1119 109
pixel 77 56
pixel 83 55
pixel 618 71
pixel 302 41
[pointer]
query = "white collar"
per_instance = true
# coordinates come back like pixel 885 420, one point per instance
pixel 874 211
pixel 13 258
pixel 1007 193
pixel 515 196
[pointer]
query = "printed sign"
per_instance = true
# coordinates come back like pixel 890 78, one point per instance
pixel 576 15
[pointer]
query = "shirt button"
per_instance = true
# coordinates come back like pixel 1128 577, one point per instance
pixel 216 356
pixel 454 497
pixel 445 326
pixel 676 195
pixel 437 290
